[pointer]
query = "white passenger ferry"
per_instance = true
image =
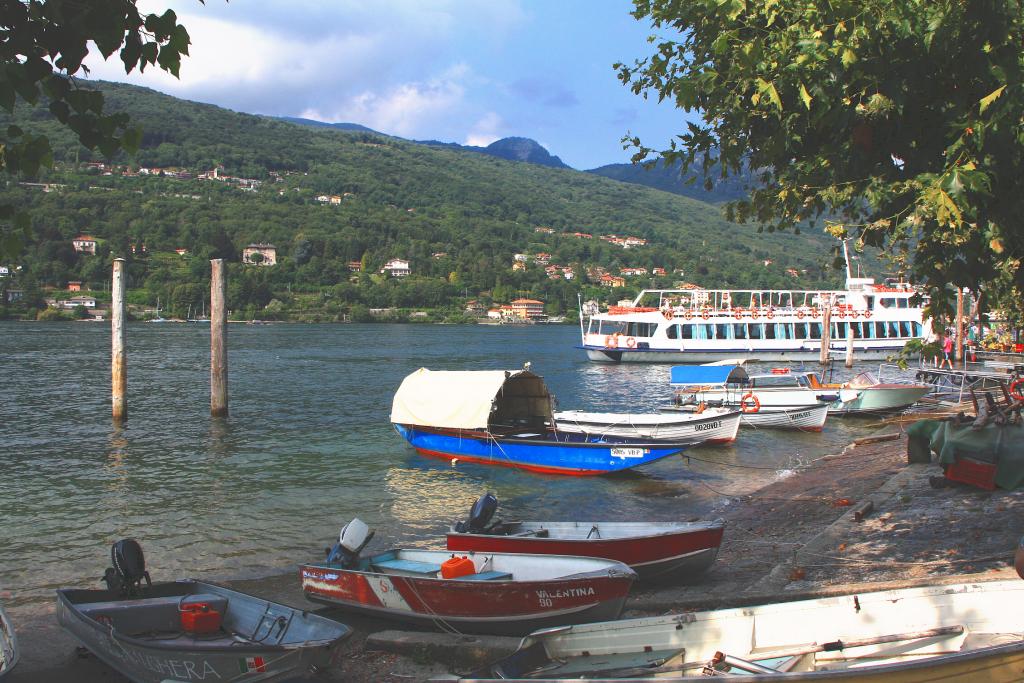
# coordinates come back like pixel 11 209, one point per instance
pixel 707 325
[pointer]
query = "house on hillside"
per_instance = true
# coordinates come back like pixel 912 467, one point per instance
pixel 396 267
pixel 267 255
pixel 355 266
pixel 84 244
pixel 74 286
pixel 527 309
pixel 612 281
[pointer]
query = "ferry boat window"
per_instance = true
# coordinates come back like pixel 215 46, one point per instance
pixel 784 330
pixel 894 329
pixel 839 331
pixel 800 331
pixel 887 302
pixel 739 331
pixel 640 329
pixel 879 330
pixel 904 303
pixel 917 329
pixel 708 331
pixel 755 330
pixel 723 331
pixel 769 331
pixel 672 331
pixel 815 330
pixel 687 331
pixel 857 334
pixel 905 328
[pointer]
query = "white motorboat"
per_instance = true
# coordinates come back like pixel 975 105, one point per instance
pixel 955 634
pixel 874 396
pixel 707 425
pixel 701 325
pixel 780 399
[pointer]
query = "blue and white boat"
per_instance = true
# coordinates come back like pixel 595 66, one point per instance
pixel 499 417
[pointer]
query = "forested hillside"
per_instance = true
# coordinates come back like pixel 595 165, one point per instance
pixel 332 200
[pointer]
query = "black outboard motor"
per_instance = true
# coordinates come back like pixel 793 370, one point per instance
pixel 125 577
pixel 353 538
pixel 480 516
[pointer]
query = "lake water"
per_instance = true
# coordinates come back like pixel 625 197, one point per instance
pixel 308 446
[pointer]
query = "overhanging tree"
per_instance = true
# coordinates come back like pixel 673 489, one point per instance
pixel 42 46
pixel 899 122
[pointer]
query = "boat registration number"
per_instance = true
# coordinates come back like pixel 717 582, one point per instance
pixel 627 452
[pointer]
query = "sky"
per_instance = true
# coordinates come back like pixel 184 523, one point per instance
pixel 465 71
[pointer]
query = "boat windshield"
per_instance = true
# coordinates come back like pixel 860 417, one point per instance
pixel 774 381
pixel 863 380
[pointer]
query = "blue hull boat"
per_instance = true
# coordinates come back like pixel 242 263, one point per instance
pixel 550 453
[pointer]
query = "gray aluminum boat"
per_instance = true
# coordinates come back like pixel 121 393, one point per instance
pixel 8 645
pixel 190 630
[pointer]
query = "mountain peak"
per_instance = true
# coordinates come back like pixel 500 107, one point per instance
pixel 524 149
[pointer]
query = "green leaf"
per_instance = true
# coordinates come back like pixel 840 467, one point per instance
pixel 767 88
pixel 990 98
pixel 805 96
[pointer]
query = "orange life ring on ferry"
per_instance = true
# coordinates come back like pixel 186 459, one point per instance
pixel 800 314
pixel 770 314
pixel 611 341
pixel 1015 389
pixel 687 314
pixel 630 342
pixel 705 313
pixel 865 313
pixel 737 313
pixel 753 406
pixel 667 313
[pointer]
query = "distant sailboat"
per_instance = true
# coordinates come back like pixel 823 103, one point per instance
pixel 158 318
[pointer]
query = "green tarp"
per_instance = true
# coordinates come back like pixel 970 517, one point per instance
pixel 952 440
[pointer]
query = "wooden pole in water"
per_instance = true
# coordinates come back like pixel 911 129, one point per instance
pixel 218 340
pixel 826 331
pixel 118 360
pixel 849 345
pixel 960 327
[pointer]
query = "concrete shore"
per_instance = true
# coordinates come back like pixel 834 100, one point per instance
pixel 855 521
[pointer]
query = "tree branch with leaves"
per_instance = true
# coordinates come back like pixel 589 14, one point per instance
pixel 43 44
pixel 898 122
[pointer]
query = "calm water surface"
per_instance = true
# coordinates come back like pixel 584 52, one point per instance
pixel 308 446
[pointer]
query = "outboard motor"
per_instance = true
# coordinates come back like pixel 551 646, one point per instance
pixel 480 516
pixel 125 577
pixel 353 538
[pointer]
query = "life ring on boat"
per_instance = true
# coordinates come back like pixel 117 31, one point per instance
pixel 770 313
pixel 705 313
pixel 667 313
pixel 687 314
pixel 753 406
pixel 800 314
pixel 611 341
pixel 737 313
pixel 865 313
pixel 630 342
pixel 1015 389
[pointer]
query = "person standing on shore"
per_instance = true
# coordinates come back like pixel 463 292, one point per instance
pixel 947 349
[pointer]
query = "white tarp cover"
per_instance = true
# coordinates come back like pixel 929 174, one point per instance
pixel 470 399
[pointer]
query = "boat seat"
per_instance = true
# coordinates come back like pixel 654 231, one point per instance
pixel 409 566
pixel 144 615
pixel 487 576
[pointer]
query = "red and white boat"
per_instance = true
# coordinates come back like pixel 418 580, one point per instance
pixel 502 593
pixel 657 551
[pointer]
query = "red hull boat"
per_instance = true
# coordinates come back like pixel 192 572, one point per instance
pixel 504 594
pixel 661 552
pixel 656 551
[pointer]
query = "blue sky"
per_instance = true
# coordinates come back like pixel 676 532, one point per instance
pixel 466 71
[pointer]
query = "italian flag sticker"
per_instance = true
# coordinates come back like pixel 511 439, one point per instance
pixel 250 664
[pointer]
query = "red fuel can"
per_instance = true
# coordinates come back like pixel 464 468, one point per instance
pixel 456 567
pixel 199 617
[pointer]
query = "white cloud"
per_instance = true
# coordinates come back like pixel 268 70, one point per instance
pixel 388 67
pixel 485 130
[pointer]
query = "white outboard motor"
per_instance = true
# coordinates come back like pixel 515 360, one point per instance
pixel 353 538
